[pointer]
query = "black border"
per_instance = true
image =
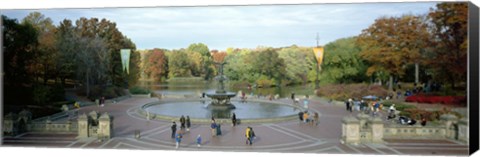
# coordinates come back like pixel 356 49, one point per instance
pixel 473 80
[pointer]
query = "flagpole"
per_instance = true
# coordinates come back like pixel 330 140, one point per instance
pixel 317 69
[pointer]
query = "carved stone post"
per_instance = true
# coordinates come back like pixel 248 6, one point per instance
pixel 104 126
pixel 350 130
pixel 363 118
pixel 83 126
pixel 9 124
pixel 377 129
pixel 450 125
pixel 463 134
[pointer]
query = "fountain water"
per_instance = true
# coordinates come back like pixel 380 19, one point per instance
pixel 221 98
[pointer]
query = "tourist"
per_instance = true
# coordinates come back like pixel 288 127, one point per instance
pixel 316 118
pixel 178 139
pixel 182 122
pixel 376 106
pixel 391 112
pixel 300 116
pixel 305 103
pixel 188 123
pixel 213 127
pixel 423 120
pixel 363 105
pixel 248 134
pixel 305 117
pixel 174 129
pixel 357 105
pixel 293 97
pixel 234 119
pixel 252 134
pixel 199 140
pixel 350 102
pixel 102 101
pixel 77 105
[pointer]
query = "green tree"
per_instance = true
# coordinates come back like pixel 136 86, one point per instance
pixel 19 41
pixel 206 68
pixel 266 61
pixel 67 48
pixel 178 64
pixel 342 63
pixel 298 61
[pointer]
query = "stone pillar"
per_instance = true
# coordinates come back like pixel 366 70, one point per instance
pixel 9 124
pixel 377 129
pixel 68 126
pixel 463 134
pixel 450 125
pixel 104 126
pixel 363 118
pixel 350 130
pixel 48 124
pixel 82 126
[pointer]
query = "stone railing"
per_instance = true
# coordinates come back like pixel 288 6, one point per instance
pixel 142 95
pixel 366 129
pixel 53 127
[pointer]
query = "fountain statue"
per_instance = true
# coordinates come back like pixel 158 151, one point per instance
pixel 221 98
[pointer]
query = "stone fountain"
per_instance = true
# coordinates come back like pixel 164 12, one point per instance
pixel 221 98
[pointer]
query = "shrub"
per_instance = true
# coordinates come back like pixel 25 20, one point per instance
pixel 139 90
pixel 263 81
pixel 345 91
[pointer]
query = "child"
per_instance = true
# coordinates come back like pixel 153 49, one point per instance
pixel 199 140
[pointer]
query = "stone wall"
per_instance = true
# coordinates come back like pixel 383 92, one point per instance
pixel 366 129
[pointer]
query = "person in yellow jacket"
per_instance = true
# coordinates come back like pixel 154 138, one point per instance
pixel 76 105
pixel 248 134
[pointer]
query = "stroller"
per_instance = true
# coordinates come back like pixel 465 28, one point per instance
pixel 406 121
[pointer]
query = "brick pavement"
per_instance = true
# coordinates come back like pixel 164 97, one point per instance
pixel 289 136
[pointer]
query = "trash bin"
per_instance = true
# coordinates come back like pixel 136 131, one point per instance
pixel 219 130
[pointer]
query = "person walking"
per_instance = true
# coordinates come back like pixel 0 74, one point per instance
pixel 188 123
pixel 252 135
pixel 234 119
pixel 248 134
pixel 213 127
pixel 316 118
pixel 199 140
pixel 182 122
pixel 178 139
pixel 174 129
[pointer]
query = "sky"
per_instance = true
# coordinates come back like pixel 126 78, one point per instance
pixel 220 27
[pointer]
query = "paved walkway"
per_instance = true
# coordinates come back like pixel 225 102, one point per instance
pixel 289 136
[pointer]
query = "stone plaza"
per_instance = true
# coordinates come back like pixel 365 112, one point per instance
pixel 119 125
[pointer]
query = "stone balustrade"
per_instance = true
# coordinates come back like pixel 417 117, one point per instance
pixel 366 129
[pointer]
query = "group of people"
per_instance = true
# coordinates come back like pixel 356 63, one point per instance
pixel 360 105
pixel 309 118
pixel 184 126
pixel 215 130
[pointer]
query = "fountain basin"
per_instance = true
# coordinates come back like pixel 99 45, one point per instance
pixel 253 111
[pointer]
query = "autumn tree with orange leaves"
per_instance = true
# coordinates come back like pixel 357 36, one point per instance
pixel 393 43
